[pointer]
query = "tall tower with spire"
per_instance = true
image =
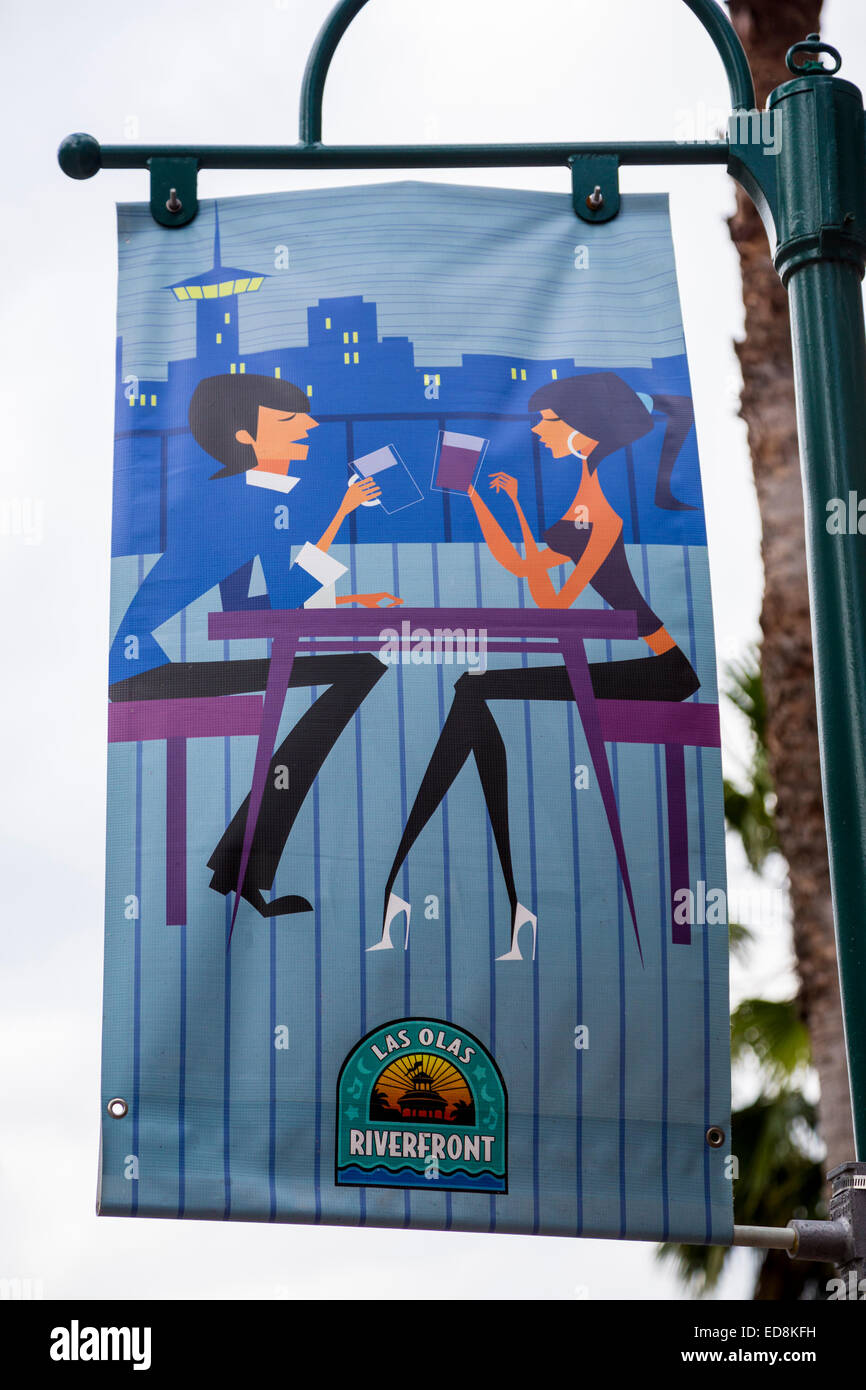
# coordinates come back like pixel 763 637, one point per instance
pixel 215 293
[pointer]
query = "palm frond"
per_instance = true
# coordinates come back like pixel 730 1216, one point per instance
pixel 740 938
pixel 773 1032
pixel 750 810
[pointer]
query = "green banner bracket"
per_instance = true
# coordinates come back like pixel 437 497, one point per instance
pixel 595 186
pixel 173 190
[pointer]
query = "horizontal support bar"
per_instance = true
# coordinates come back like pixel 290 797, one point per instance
pixel 81 156
pixel 765 1237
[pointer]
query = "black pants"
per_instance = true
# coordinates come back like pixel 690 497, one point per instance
pixel 349 679
pixel 471 728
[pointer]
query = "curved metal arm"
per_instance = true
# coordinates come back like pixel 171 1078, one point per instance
pixel 713 18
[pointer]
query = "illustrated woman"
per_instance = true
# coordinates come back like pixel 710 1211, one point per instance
pixel 584 419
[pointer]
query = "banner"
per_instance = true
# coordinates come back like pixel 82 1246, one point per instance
pixel 415 908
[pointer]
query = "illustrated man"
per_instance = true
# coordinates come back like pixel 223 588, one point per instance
pixel 256 427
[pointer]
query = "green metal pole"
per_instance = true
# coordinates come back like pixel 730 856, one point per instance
pixel 821 257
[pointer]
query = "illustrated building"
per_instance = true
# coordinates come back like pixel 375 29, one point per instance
pixel 421 1101
pixel 215 293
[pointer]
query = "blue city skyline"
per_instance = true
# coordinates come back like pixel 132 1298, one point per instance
pixel 366 391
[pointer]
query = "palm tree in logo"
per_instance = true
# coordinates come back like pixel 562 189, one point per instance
pixel 463 1113
pixel 379 1107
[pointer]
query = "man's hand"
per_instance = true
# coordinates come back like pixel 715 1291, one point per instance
pixel 377 600
pixel 503 482
pixel 370 600
pixel 357 493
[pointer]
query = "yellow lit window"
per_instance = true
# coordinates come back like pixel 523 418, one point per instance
pixel 233 367
pixel 142 400
pixel 327 323
pixel 426 379
pixel 226 288
pixel 354 356
pixel 210 291
pixel 194 291
pixel 254 284
pixel 243 366
pixel 132 400
pixel 228 318
pixel 354 337
pixel 309 390
pixel 219 337
pixel 522 373
pixel 153 400
pixel 181 293
pixel 276 371
pixel 553 373
pixel 438 379
pixel 346 359
pixel 345 337
pixel 513 373
pixel 241 285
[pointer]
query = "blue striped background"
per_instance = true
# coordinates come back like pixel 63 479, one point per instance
pixel 606 1141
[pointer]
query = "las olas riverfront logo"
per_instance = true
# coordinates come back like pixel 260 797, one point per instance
pixel 421 1103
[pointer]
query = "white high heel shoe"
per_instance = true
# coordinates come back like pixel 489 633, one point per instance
pixel 395 907
pixel 522 915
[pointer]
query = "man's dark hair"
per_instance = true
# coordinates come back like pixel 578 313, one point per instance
pixel 221 405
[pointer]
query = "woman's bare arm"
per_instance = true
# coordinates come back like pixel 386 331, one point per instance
pixel 540 582
pixel 500 546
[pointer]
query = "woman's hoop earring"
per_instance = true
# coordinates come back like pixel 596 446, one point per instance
pixel 571 449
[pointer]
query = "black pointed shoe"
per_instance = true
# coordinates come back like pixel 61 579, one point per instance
pixel 285 906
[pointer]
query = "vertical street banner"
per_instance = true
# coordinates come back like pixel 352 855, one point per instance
pixel 415 907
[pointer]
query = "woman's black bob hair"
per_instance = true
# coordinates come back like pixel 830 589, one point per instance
pixel 600 405
pixel 604 407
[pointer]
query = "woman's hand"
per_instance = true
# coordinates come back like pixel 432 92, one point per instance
pixel 357 493
pixel 503 482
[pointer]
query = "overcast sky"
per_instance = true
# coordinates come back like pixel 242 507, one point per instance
pixel 178 71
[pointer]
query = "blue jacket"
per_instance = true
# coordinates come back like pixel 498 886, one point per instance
pixel 224 524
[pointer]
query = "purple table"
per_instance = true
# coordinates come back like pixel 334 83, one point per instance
pixel 539 631
pixel 507 630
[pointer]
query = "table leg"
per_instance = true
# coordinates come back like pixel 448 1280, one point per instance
pixel 577 667
pixel 175 832
pixel 279 674
pixel 678 835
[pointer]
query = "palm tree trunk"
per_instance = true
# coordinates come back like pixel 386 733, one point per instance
pixel 767 28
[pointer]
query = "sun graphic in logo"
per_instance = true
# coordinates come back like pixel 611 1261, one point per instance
pixel 422 1087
